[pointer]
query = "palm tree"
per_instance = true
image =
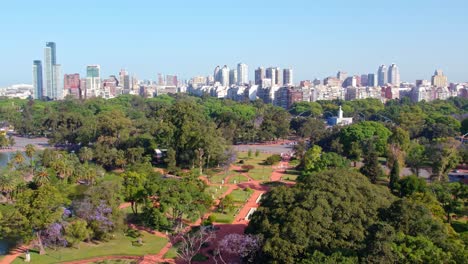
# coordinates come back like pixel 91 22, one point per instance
pixel 19 158
pixel 41 177
pixel 30 150
pixel 8 183
pixel 86 154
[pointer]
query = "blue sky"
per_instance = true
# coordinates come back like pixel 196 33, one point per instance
pixel 315 37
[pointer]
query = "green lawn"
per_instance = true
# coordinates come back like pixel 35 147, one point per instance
pixel 226 218
pixel 217 178
pixel 172 253
pixel 261 173
pixel 121 245
pixel 239 178
pixel 291 175
pixel 211 190
pixel 239 195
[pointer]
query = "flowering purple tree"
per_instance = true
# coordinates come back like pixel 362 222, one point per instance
pixel 230 156
pixel 98 217
pixel 53 236
pixel 245 246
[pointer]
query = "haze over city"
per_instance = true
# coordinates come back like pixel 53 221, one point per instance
pixel 190 39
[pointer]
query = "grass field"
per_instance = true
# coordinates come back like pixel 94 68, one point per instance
pixel 211 190
pixel 121 245
pixel 239 178
pixel 260 171
pixel 239 195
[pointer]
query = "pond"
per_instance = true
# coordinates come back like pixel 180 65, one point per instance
pixel 4 246
pixel 5 157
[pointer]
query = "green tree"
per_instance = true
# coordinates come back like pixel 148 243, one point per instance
pixel 86 154
pixel 311 158
pixel 171 161
pixel 41 208
pixel 394 176
pixel 76 232
pixel 30 150
pixel 410 185
pixel 367 130
pixel 415 157
pixel 226 203
pixel 452 197
pixel 329 212
pixel 372 168
pixel 133 188
pixel 444 156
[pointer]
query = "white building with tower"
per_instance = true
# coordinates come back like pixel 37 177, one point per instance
pixel 340 120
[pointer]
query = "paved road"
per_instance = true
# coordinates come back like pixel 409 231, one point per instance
pixel 277 148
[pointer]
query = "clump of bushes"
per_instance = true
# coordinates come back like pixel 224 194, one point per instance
pixel 273 159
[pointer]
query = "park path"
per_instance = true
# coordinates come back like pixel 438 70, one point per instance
pixel 15 253
pixel 238 227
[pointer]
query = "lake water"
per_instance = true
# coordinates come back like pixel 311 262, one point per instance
pixel 5 157
pixel 3 247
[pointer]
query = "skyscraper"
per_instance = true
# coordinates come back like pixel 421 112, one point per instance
pixel 242 74
pixel 216 74
pixel 288 77
pixel 259 75
pixel 382 75
pixel 37 79
pixel 279 77
pixel 233 77
pixel 124 81
pixel 50 60
pixel 93 80
pixel 224 76
pixel 394 75
pixel 439 79
pixel 271 74
pixel 371 80
pixel 57 91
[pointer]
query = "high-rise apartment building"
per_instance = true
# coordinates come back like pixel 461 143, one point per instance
pixel 364 78
pixel 259 75
pixel 439 79
pixel 50 71
pixel 271 73
pixel 224 76
pixel 124 81
pixel 233 77
pixel 71 85
pixel 171 80
pixel 341 75
pixel 37 79
pixel 93 81
pixel 382 75
pixel 288 77
pixel 57 92
pixel 242 74
pixel 394 75
pixel 372 80
pixel 217 74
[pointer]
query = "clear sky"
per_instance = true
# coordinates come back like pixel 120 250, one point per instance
pixel 314 37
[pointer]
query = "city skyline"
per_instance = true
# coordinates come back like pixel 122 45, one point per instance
pixel 190 40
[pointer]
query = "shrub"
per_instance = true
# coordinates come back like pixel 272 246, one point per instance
pixel 273 159
pixel 247 167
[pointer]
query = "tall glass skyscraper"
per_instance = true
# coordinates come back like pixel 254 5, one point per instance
pixel 242 74
pixel 37 79
pixel 394 75
pixel 50 71
pixel 382 75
